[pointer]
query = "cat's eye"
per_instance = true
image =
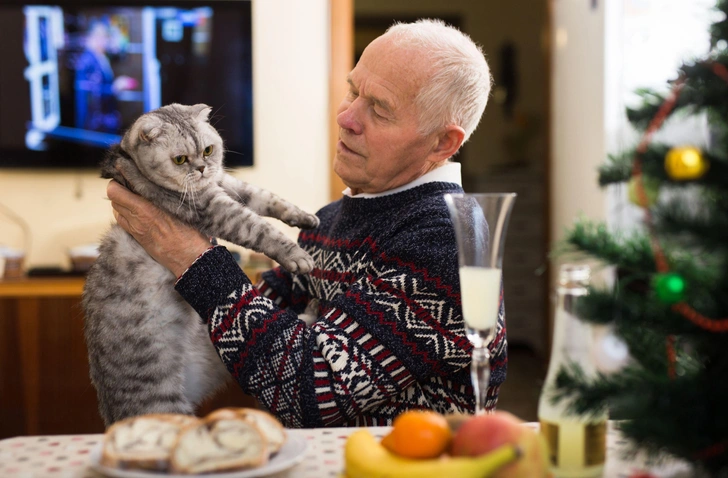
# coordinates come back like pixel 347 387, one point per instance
pixel 207 151
pixel 181 159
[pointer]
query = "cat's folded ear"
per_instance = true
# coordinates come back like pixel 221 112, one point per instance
pixel 144 130
pixel 150 129
pixel 200 111
pixel 148 134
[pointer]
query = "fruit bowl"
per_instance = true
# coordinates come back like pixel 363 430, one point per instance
pixel 498 445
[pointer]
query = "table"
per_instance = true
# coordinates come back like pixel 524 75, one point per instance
pixel 68 456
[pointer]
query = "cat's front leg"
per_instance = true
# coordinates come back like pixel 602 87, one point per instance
pixel 240 225
pixel 266 203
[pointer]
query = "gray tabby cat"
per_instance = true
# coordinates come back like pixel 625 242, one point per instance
pixel 148 349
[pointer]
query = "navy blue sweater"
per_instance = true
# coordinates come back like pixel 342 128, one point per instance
pixel 390 334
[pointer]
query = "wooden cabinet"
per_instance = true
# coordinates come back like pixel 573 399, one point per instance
pixel 44 377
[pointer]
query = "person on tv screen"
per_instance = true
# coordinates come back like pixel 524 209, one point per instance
pixel 95 84
pixel 388 333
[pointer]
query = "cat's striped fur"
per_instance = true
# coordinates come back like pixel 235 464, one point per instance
pixel 148 349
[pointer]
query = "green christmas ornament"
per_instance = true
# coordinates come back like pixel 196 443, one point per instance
pixel 669 287
pixel 650 185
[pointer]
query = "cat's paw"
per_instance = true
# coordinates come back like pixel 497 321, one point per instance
pixel 305 221
pixel 298 262
pixel 310 315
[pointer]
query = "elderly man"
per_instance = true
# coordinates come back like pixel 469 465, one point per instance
pixel 389 335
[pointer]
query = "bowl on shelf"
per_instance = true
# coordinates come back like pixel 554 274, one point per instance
pixel 11 262
pixel 83 257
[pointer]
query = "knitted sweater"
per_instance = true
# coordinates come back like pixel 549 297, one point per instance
pixel 390 334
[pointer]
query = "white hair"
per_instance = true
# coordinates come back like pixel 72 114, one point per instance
pixel 457 90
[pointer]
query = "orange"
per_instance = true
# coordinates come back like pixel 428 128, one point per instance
pixel 418 434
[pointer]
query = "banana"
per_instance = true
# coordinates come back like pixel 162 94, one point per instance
pixel 366 458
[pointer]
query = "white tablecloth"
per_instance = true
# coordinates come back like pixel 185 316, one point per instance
pixel 68 456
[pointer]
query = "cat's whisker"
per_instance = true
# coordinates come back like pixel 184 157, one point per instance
pixel 185 189
pixel 189 177
pixel 215 116
pixel 234 152
pixel 193 194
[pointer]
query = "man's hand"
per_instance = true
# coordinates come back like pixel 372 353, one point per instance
pixel 168 241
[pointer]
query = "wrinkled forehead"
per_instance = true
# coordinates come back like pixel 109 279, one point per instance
pixel 403 67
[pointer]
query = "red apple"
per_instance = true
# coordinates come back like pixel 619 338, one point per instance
pixel 480 434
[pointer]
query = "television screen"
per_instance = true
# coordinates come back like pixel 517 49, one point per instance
pixel 75 76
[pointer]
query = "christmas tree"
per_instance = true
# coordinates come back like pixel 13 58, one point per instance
pixel 669 301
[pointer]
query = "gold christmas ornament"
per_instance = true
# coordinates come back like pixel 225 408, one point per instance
pixel 684 163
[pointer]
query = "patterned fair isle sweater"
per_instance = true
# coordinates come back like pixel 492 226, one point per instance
pixel 390 335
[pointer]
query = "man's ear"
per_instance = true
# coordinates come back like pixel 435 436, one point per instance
pixel 448 143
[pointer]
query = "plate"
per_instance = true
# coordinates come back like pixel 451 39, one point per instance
pixel 291 454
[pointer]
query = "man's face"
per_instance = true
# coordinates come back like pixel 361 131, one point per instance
pixel 379 147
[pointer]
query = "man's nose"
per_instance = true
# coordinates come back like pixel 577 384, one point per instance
pixel 348 117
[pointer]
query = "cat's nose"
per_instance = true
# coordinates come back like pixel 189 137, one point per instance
pixel 201 169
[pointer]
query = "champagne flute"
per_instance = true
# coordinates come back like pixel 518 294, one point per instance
pixel 480 222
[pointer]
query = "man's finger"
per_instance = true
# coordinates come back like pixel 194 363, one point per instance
pixel 120 195
pixel 117 206
pixel 122 222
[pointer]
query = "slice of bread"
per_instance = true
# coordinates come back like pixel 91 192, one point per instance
pixel 273 430
pixel 223 443
pixel 143 442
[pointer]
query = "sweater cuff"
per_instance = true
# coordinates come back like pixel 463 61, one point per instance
pixel 210 279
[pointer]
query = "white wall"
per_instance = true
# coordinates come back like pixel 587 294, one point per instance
pixel 290 81
pixel 577 113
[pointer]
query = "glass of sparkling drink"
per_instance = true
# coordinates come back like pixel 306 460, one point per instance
pixel 480 222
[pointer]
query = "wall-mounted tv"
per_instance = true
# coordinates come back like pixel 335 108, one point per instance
pixel 75 75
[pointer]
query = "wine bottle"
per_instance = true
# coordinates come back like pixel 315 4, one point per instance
pixel 577 444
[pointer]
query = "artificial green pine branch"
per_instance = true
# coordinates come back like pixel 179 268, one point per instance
pixel 581 395
pixel 631 253
pixel 646 346
pixel 625 393
pixel 702 224
pixel 618 168
pixel 595 240
pixel 603 307
pixel 682 416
